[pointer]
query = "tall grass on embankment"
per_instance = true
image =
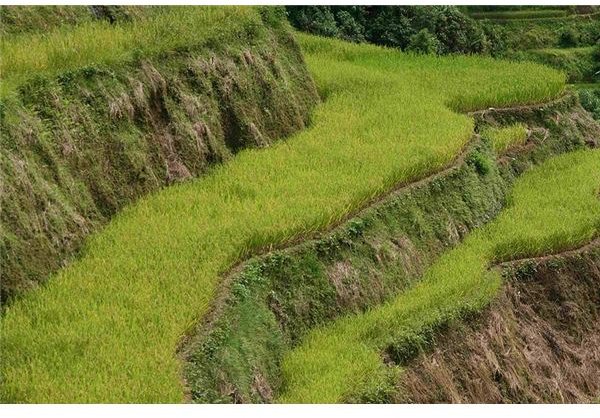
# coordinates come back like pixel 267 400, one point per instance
pixel 520 14
pixel 553 207
pixel 506 137
pixel 106 328
pixel 99 42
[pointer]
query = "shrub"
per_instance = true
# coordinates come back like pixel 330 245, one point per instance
pixel 389 26
pixel 496 39
pixel 313 19
pixel 349 28
pixel 480 162
pixel 394 26
pixel 569 38
pixel 596 62
pixel 590 100
pixel 456 32
pixel 424 43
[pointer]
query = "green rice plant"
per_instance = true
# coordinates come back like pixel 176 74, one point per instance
pixel 505 137
pixel 106 328
pixel 578 63
pixel 93 42
pixel 553 207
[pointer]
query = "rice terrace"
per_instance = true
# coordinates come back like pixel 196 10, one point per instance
pixel 300 204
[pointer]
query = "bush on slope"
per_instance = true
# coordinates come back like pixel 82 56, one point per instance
pixel 106 328
pixel 553 207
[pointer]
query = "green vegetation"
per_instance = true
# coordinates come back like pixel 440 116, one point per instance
pixel 396 26
pixel 580 64
pixel 106 328
pixel 99 42
pixel 548 33
pixel 24 19
pixel 78 147
pixel 41 19
pixel 506 137
pixel 423 42
pixel 553 207
pixel 520 14
pixel 453 28
pixel 589 96
pixel 274 300
pixel 278 298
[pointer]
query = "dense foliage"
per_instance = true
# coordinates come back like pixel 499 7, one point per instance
pixel 494 30
pixel 590 100
pixel 427 29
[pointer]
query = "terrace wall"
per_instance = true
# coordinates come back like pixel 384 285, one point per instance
pixel 539 342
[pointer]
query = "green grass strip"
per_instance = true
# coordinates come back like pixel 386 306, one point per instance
pixel 553 207
pixel 505 137
pixel 106 328
pixel 99 42
pixel 520 14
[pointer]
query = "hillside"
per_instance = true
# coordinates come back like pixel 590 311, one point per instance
pixel 87 130
pixel 200 205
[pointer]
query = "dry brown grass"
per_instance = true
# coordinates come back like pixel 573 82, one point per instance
pixel 539 342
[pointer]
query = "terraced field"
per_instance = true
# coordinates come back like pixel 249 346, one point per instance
pixel 106 328
pixel 553 207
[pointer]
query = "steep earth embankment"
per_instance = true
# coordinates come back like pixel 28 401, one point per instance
pixel 539 341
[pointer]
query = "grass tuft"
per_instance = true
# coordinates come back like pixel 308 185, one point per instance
pixel 506 137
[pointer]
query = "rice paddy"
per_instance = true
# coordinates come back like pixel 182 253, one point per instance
pixel 553 207
pixel 106 328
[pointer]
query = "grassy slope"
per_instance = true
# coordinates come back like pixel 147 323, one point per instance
pixel 520 14
pixel 578 63
pixel 97 41
pixel 553 207
pixel 20 20
pixel 106 328
pixel 545 33
pixel 24 19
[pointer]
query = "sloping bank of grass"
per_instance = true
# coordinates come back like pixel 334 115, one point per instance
pixel 105 329
pixel 580 64
pixel 97 41
pixel 553 207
